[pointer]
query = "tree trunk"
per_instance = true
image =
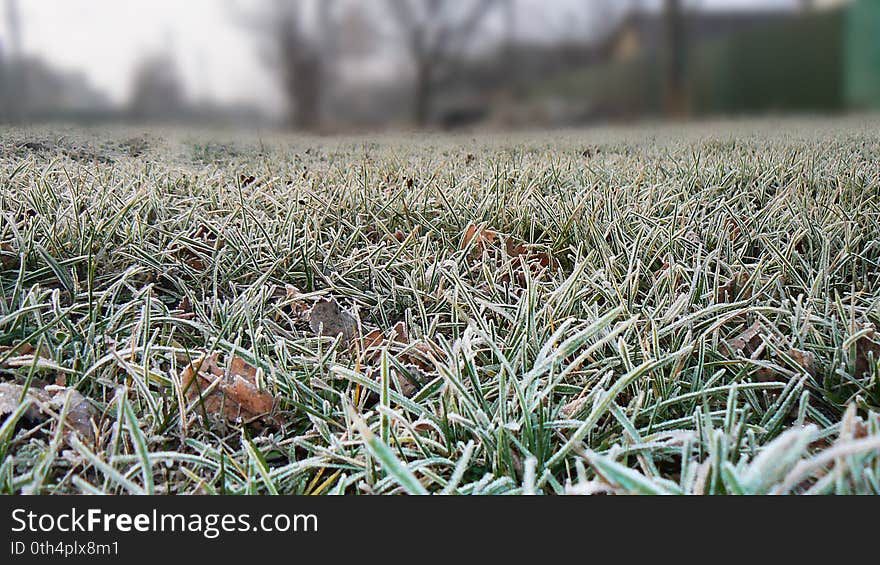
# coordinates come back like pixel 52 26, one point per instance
pixel 302 85
pixel 675 44
pixel 423 93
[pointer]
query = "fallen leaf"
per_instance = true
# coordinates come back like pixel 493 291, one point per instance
pixel 483 237
pixel 22 348
pixel 806 360
pixel 11 394
pixel 80 414
pixel 866 350
pixel 729 291
pixel 748 342
pixel 184 308
pixel 25 355
pixel 246 179
pixel 234 394
pixel 49 402
pixel 416 356
pixel 372 234
pixel 327 318
pixel 535 259
pixel 419 353
pixel 9 259
pixel 373 339
pixel 399 333
pixel 206 240
pixel 293 303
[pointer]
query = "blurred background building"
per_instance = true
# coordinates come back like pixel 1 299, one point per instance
pixel 347 65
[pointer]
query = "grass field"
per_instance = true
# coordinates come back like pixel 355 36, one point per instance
pixel 689 310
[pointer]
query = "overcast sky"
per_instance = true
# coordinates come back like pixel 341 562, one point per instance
pixel 216 55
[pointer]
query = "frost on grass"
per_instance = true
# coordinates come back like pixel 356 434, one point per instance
pixel 591 312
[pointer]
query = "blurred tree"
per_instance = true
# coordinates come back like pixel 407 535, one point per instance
pixel 156 90
pixel 299 45
pixel 675 45
pixel 436 32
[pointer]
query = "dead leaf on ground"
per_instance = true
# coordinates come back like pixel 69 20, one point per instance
pixel 80 413
pixel 405 385
pixel 730 290
pixel 806 360
pixel 327 318
pixel 748 342
pixel 416 356
pixel 535 259
pixel 231 394
pixel 9 259
pixel 246 179
pixel 293 303
pixel 206 240
pixel 49 402
pixel 866 350
pixel 10 395
pixel 482 237
pixel 417 353
pixel 25 355
pixel 184 309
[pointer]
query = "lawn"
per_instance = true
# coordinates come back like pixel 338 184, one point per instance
pixel 615 310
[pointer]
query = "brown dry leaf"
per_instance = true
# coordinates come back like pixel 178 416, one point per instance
pixel 866 346
pixel 747 342
pixel 806 360
pixel 11 393
pixel 372 234
pixel 420 355
pixel 235 395
pixel 399 333
pixel 737 284
pixel 733 229
pixel 80 414
pixel 415 356
pixel 208 240
pixel 327 318
pixel 294 304
pixel 536 260
pixel 483 237
pixel 373 339
pixel 20 349
pixel 416 353
pixel 184 308
pixel 246 179
pixel 9 259
pixel 25 355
